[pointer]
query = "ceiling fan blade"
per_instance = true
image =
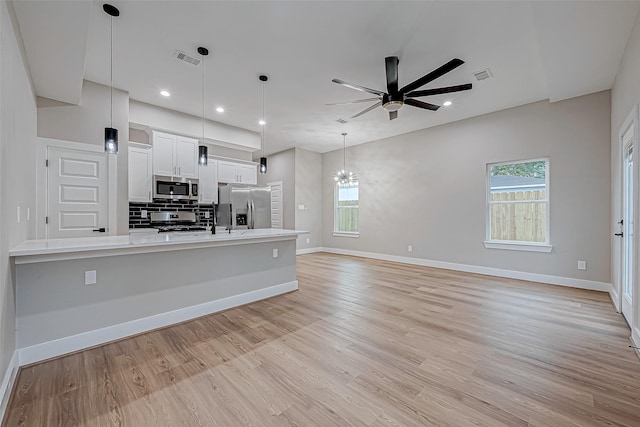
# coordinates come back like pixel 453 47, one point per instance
pixel 393 115
pixel 438 91
pixel 438 72
pixel 420 104
pixel 391 65
pixel 358 87
pixel 377 104
pixel 355 102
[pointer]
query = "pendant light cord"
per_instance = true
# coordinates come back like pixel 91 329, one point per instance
pixel 111 76
pixel 264 119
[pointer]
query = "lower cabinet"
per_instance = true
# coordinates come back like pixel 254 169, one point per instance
pixel 140 173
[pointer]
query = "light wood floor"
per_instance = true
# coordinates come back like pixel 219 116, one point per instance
pixel 362 343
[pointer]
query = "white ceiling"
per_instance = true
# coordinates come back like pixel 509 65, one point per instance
pixel 536 50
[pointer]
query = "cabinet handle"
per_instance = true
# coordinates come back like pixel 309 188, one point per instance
pixel 149 195
pixel 180 170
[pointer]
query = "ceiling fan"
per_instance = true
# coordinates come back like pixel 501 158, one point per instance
pixel 395 98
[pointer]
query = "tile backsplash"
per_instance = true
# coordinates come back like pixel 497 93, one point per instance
pixel 135 210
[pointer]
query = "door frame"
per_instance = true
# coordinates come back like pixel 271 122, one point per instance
pixel 631 120
pixel 43 145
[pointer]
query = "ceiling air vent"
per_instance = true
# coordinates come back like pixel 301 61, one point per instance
pixel 483 74
pixel 343 121
pixel 186 58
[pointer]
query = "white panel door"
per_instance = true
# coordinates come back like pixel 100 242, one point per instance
pixel 276 204
pixel 209 182
pixel 163 154
pixel 186 157
pixel 248 174
pixel 140 174
pixel 77 199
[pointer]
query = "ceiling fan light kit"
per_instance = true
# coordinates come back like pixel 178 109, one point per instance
pixel 394 99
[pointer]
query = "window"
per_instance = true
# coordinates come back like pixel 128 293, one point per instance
pixel 346 210
pixel 518 205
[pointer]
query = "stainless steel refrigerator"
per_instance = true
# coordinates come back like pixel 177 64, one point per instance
pixel 243 207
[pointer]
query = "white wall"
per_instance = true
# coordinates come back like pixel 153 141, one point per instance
pixel 85 123
pixel 428 188
pixel 308 192
pixel 281 167
pixel 17 165
pixel 624 95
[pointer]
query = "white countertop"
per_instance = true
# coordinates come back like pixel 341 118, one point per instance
pixel 89 247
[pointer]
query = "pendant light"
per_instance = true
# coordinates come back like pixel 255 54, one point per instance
pixel 203 152
pixel 263 122
pixel 110 133
pixel 345 176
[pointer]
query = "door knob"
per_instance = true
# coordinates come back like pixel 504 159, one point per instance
pixel 101 230
pixel 618 234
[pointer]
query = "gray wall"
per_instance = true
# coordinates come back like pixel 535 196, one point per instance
pixel 17 166
pixel 308 192
pixel 281 167
pixel 428 188
pixel 85 123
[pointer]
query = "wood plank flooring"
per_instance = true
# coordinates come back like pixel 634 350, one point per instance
pixel 362 343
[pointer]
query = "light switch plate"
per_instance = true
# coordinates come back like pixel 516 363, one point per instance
pixel 90 277
pixel 18 214
pixel 207 215
pixel 275 253
pixel 582 265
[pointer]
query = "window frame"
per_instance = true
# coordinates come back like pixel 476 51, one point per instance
pixel 518 245
pixel 337 233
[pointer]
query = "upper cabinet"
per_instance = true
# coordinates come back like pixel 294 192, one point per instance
pixel 208 188
pixel 140 173
pixel 237 173
pixel 175 155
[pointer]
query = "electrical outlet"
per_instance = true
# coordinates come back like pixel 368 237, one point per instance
pixel 275 253
pixel 409 248
pixel 582 265
pixel 207 215
pixel 90 277
pixel 307 240
pixel 143 213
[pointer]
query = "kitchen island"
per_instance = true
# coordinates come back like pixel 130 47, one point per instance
pixel 77 293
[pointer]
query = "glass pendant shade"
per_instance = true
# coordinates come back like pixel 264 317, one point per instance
pixel 111 140
pixel 203 155
pixel 263 165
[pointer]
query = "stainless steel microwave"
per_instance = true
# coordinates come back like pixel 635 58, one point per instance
pixel 174 188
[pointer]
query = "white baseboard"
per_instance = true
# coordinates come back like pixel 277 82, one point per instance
pixel 8 382
pixel 309 251
pixel 489 271
pixel 635 339
pixel 47 350
pixel 615 298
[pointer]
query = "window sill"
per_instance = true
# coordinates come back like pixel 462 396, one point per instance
pixel 518 246
pixel 343 234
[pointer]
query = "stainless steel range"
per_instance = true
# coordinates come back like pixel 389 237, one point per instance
pixel 166 222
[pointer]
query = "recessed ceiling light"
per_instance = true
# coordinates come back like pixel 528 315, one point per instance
pixel 164 93
pixel 447 103
pixel 220 110
pixel 262 123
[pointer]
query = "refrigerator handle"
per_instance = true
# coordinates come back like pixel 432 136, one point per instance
pixel 253 215
pixel 249 214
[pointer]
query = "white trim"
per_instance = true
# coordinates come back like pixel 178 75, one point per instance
pixel 635 339
pixel 47 350
pixel 346 234
pixel 613 294
pixel 489 271
pixel 309 251
pixel 8 382
pixel 518 246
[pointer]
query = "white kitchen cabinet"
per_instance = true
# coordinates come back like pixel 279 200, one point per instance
pixel 208 189
pixel 175 155
pixel 237 173
pixel 140 173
